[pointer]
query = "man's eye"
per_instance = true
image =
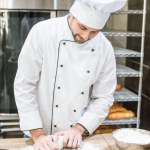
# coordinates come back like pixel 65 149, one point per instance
pixel 83 28
pixel 95 32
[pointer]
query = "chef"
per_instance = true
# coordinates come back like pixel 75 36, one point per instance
pixel 66 75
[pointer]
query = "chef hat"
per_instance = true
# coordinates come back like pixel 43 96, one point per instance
pixel 95 13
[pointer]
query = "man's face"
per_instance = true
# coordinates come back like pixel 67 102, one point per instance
pixel 81 33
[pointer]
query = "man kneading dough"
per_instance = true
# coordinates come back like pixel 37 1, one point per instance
pixel 66 75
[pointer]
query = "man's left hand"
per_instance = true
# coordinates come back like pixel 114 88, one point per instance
pixel 73 136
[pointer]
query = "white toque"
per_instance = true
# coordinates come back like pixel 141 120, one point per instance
pixel 95 13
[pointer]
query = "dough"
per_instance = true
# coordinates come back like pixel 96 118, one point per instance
pixel 90 146
pixel 84 145
pixel 59 144
pixel 27 148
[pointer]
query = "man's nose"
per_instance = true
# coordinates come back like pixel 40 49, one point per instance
pixel 86 36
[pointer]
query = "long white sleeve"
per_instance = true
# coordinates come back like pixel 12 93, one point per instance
pixel 26 80
pixel 102 94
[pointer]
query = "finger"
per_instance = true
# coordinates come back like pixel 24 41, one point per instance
pixel 49 138
pixel 75 142
pixel 35 146
pixel 65 141
pixel 46 147
pixel 70 141
pixel 52 146
pixel 79 141
pixel 43 145
pixel 55 138
pixel 60 143
pixel 40 147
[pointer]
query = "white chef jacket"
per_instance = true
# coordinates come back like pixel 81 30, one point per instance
pixel 60 83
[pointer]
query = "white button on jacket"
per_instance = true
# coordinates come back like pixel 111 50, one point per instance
pixel 53 85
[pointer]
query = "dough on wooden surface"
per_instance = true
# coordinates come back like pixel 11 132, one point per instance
pixel 59 143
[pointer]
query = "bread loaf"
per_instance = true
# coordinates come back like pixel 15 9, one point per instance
pixel 105 129
pixel 116 108
pixel 121 115
pixel 117 111
pixel 118 87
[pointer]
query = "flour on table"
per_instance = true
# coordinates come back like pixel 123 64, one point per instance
pixel 59 143
pixel 84 145
pixel 90 146
pixel 27 148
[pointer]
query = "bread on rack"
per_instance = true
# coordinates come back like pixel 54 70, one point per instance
pixel 118 86
pixel 121 115
pixel 116 107
pixel 119 112
pixel 105 129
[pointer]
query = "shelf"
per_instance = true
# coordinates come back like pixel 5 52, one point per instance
pixel 122 33
pixel 122 52
pixel 9 117
pixel 10 130
pixel 9 124
pixel 125 95
pixel 123 71
pixel 129 12
pixel 121 121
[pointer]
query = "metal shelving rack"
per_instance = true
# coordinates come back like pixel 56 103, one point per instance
pixel 122 52
pixel 121 121
pixel 122 33
pixel 124 95
pixel 123 71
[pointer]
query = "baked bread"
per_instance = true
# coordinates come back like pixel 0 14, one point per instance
pixel 121 115
pixel 118 87
pixel 105 129
pixel 117 111
pixel 116 107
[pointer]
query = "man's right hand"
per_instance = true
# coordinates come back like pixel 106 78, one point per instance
pixel 42 141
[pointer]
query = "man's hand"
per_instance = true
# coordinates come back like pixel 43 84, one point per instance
pixel 73 136
pixel 42 141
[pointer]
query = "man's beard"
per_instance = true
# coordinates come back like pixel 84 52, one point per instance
pixel 78 39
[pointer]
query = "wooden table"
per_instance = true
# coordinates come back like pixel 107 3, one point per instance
pixel 103 140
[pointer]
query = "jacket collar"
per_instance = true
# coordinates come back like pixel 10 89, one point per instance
pixel 68 33
pixel 68 36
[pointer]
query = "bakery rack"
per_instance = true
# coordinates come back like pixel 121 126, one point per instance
pixel 124 95
pixel 122 33
pixel 121 121
pixel 122 52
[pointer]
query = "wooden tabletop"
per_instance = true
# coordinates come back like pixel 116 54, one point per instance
pixel 105 141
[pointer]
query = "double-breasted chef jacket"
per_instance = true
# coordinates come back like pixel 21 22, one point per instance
pixel 60 82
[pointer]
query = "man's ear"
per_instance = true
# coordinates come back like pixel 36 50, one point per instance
pixel 71 16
